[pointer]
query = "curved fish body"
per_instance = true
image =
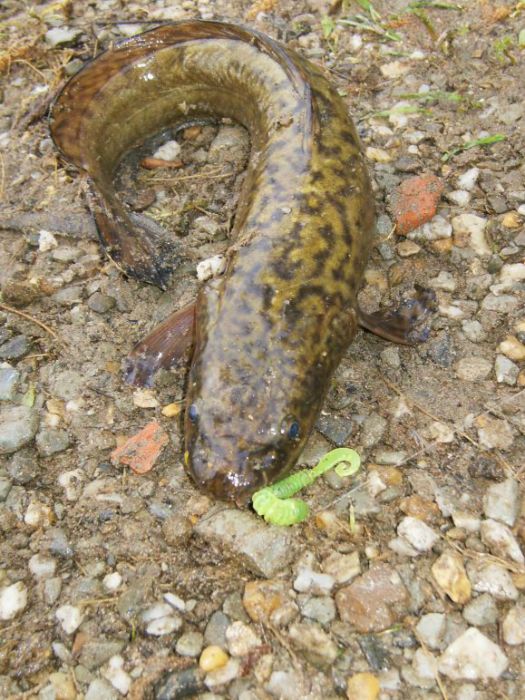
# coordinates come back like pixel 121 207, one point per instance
pixel 270 332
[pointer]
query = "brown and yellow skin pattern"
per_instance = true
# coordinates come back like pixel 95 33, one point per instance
pixel 271 331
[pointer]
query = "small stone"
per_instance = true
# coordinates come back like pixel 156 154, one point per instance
pixel 160 620
pixel 459 197
pixel 63 686
pixel 264 549
pixel 52 589
pixel 342 567
pixel 466 521
pixel 503 304
pixel 308 581
pixel 70 618
pixel 211 267
pixel 424 665
pixel 175 601
pixel 286 684
pixel 96 651
pixel 230 145
pixel 18 426
pixel 50 441
pixel 362 686
pixel 417 533
pixel 408 248
pixel 390 357
pixel 494 432
pixel 435 230
pixel 473 331
pixel 473 656
pixel 15 348
pixel 506 371
pixel 224 674
pixel 117 676
pixel 100 689
pixel 170 150
pixel 41 566
pixel 101 303
pixel 513 626
pixel 512 272
pixel 451 577
pixel 444 281
pixel 13 600
pixel 46 241
pixel 57 36
pixel 315 644
pixel 9 379
pixel 473 369
pixel 468 179
pixel 66 254
pixel 241 639
pixel 415 201
pixel 493 579
pixel 502 502
pixel 500 541
pixel 378 155
pixel 212 658
pixel 269 601
pixel 5 488
pixel 145 398
pixel 469 230
pixel 510 347
pixel 189 644
pixel 321 609
pixel 215 632
pixel 112 582
pixel 431 629
pixel 440 432
pixel 373 601
pixel 481 611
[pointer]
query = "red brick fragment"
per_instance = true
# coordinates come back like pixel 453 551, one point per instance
pixel 141 451
pixel 415 201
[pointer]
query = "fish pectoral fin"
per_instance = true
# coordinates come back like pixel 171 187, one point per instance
pixel 136 243
pixel 405 325
pixel 161 348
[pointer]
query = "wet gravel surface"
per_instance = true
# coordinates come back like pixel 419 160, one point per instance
pixel 408 580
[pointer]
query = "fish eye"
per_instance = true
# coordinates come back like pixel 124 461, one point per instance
pixel 193 413
pixel 293 430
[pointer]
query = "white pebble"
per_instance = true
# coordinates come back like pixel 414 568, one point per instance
pixel 112 581
pixel 41 566
pixel 459 197
pixel 70 618
pixel 474 227
pixel 211 267
pixel 164 625
pixel 473 656
pixel 513 626
pixel 492 579
pixel 13 600
pixel 417 533
pixel 168 151
pixel 502 502
pixel 46 241
pixel 145 398
pixel 38 515
pixel 500 540
pixel 308 581
pixel 468 179
pixel 71 482
pixel 156 611
pixel 223 675
pixel 241 639
pixel 175 602
pixel 117 676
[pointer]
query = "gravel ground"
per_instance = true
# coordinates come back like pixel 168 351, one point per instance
pixel 409 580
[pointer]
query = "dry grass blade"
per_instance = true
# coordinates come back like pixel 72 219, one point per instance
pixel 28 317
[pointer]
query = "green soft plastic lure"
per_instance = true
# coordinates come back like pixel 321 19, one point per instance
pixel 274 503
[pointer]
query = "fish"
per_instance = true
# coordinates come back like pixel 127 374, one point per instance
pixel 269 333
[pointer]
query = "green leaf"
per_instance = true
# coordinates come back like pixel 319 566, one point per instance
pixel 328 26
pixel 485 141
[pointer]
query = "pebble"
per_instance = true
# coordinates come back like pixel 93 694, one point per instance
pixel 117 676
pixel 468 179
pixel 230 145
pixel 211 267
pixel 286 684
pixel 314 643
pixel 466 521
pixel 473 369
pixel 308 581
pixel 500 541
pixel 97 650
pixel 431 629
pixel 503 304
pixel 264 549
pixel 13 600
pixel 269 601
pixel 390 357
pixel 445 281
pixel 145 398
pixel 15 348
pixel 63 686
pixel 41 566
pixel 52 589
pixel 58 36
pixel 170 150
pixel 362 686
pixel 215 632
pixel 50 441
pixel 222 675
pixel 101 303
pixel 213 658
pixel 513 626
pixel 473 331
pixel 46 241
pixel 440 432
pixel 160 620
pixel 512 272
pixel 18 426
pixel 5 487
pixel 70 618
pixel 241 639
pixel 190 644
pixel 342 567
pixel 321 609
pixel 436 229
pixel 510 347
pixel 417 533
pixel 100 689
pixel 459 197
pixel 502 502
pixel 493 579
pixel 469 230
pixel 373 601
pixel 9 379
pixel 494 432
pixel 506 371
pixel 175 601
pixel 473 656
pixel 112 582
pixel 408 248
pixel 481 611
pixel 451 577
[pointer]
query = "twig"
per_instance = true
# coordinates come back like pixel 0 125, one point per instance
pixel 42 325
